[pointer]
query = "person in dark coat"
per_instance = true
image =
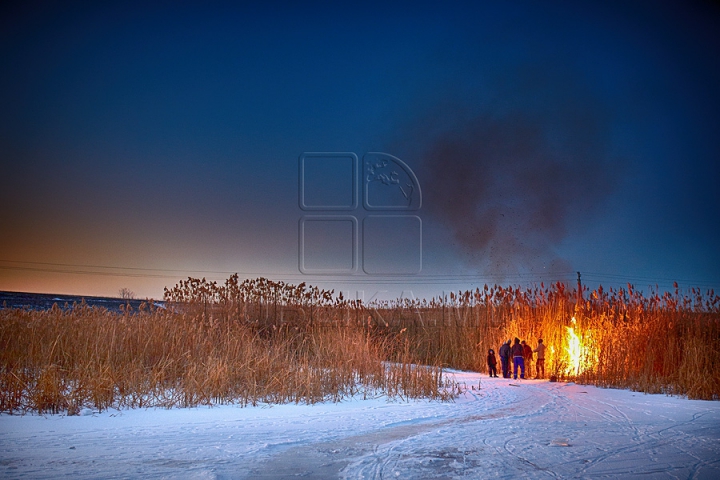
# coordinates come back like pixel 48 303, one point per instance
pixel 527 356
pixel 492 363
pixel 505 359
pixel 518 359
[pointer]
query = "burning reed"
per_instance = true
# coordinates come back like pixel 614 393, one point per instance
pixel 655 343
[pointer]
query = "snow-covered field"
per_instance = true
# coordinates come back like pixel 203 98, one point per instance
pixel 506 429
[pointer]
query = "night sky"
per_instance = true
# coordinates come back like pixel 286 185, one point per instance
pixel 406 150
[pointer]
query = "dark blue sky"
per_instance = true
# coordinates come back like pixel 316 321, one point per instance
pixel 141 144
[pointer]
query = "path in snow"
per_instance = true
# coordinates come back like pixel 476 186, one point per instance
pixel 537 429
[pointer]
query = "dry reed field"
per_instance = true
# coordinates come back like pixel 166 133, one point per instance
pixel 654 343
pixel 246 343
pixel 262 341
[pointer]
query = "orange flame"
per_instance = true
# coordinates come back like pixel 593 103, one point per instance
pixel 573 350
pixel 579 356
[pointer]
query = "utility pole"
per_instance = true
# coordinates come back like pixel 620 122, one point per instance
pixel 579 291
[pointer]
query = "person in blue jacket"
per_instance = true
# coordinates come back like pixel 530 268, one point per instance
pixel 518 359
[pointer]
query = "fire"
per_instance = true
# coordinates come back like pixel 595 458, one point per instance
pixel 573 349
pixel 579 355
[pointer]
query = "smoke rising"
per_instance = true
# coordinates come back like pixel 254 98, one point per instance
pixel 514 177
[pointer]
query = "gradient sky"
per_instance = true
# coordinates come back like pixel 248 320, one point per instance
pixel 142 144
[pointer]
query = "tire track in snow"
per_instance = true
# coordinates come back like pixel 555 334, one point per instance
pixel 499 430
pixel 376 453
pixel 508 432
pixel 640 440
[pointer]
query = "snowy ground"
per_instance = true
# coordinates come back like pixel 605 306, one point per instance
pixel 527 429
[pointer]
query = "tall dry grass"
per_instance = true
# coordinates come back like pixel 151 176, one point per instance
pixel 202 350
pixel 647 342
pixel 262 341
pixel 651 342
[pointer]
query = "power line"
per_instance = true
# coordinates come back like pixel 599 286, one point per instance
pixel 85 272
pixel 419 279
pixel 110 267
pixel 351 279
pixel 648 280
pixel 399 277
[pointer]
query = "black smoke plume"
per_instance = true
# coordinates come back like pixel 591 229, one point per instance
pixel 513 177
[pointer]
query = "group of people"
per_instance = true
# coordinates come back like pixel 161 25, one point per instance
pixel 521 355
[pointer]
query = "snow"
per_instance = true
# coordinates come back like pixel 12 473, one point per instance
pixel 505 429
